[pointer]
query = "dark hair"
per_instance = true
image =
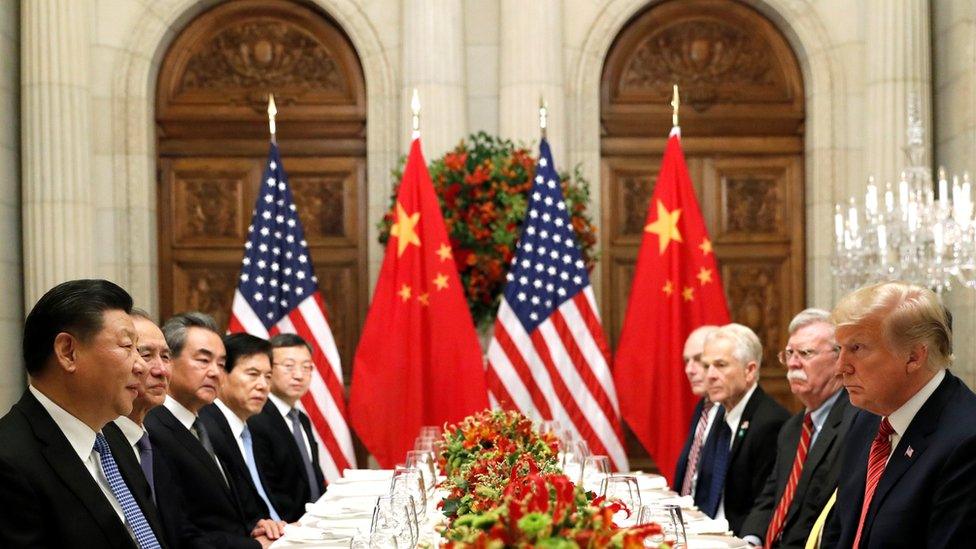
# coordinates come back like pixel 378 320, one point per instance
pixel 174 330
pixel 76 307
pixel 291 340
pixel 240 346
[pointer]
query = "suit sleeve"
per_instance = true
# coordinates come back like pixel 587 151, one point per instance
pixel 762 510
pixel 21 515
pixel 953 510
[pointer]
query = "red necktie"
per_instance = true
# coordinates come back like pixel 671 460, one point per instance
pixel 877 461
pixel 696 447
pixel 779 516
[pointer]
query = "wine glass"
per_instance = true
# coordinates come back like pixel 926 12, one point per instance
pixel 424 462
pixel 623 489
pixel 396 515
pixel 374 540
pixel 409 482
pixel 430 431
pixel 668 517
pixel 595 468
pixel 572 462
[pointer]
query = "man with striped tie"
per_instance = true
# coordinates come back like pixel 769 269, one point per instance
pixel 706 412
pixel 909 459
pixel 60 484
pixel 808 447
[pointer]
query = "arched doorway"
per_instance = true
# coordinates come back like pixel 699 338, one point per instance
pixel 742 122
pixel 212 142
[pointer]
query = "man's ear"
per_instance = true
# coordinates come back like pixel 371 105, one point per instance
pixel 918 358
pixel 752 371
pixel 66 351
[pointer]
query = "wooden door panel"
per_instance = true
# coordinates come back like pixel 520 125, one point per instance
pixel 208 198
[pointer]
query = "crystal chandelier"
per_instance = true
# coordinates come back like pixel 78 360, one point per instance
pixel 910 233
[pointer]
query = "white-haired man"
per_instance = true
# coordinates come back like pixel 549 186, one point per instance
pixel 705 414
pixel 809 444
pixel 736 459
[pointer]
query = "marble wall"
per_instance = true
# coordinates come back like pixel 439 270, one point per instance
pixel 11 269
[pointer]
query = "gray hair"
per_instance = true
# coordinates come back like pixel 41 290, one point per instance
pixel 746 346
pixel 807 317
pixel 175 329
pixel 138 312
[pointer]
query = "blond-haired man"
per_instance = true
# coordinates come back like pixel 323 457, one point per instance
pixel 909 461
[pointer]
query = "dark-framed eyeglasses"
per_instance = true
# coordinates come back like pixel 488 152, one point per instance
pixel 804 355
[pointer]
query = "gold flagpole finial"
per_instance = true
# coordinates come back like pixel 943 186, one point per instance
pixel 543 116
pixel 675 103
pixel 272 111
pixel 415 111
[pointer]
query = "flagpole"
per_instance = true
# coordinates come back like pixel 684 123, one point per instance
pixel 675 103
pixel 415 110
pixel 272 111
pixel 543 116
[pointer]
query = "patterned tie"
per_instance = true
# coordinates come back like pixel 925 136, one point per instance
pixel 296 431
pixel 252 468
pixel 146 461
pixel 130 509
pixel 877 461
pixel 779 516
pixel 696 447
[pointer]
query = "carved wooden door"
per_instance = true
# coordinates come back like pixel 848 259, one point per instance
pixel 742 126
pixel 213 144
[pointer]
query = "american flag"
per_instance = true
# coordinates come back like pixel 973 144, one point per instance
pixel 278 293
pixel 548 355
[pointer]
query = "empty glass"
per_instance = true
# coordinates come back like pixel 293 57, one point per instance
pixel 377 540
pixel 623 489
pixel 424 461
pixel 396 515
pixel 431 431
pixel 595 468
pixel 668 516
pixel 409 482
pixel 572 459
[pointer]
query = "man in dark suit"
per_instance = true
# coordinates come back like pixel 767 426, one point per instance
pixel 808 448
pixel 703 417
pixel 59 480
pixel 139 462
pixel 185 443
pixel 244 385
pixel 738 454
pixel 909 460
pixel 284 445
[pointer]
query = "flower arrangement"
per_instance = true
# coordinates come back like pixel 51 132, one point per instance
pixel 483 187
pixel 505 489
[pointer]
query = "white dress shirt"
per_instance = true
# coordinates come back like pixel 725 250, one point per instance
pixel 732 419
pixel 133 432
pixel 236 426
pixel 184 416
pixel 901 418
pixel 284 409
pixel 82 440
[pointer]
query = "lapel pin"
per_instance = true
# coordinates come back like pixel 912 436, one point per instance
pixel 742 428
pixel 909 452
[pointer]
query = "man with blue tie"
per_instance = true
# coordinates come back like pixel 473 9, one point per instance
pixel 909 460
pixel 60 484
pixel 741 449
pixel 284 443
pixel 243 391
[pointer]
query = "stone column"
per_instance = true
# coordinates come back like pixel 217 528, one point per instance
pixel 898 63
pixel 57 143
pixel 433 62
pixel 532 66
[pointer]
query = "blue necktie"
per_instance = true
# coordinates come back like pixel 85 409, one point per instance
pixel 146 461
pixel 296 431
pixel 130 509
pixel 720 468
pixel 252 468
pixel 712 466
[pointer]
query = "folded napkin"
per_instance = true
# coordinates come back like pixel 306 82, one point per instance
pixel 294 532
pixel 365 474
pixel 651 482
pixel 357 489
pixel 707 526
pixel 715 542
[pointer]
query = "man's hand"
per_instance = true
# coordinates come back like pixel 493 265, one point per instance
pixel 264 541
pixel 271 529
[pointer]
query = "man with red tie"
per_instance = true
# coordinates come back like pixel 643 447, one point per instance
pixel 909 460
pixel 809 444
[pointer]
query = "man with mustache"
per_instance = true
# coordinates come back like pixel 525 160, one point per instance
pixel 909 459
pixel 212 503
pixel 59 479
pixel 808 447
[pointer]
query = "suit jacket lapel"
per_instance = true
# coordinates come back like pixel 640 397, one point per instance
pixel 307 425
pixel 825 440
pixel 189 442
pixel 132 473
pixel 742 431
pixel 915 437
pixel 64 461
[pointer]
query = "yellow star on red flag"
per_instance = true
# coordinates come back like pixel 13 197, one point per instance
pixel 440 281
pixel 668 288
pixel 665 227
pixel 404 293
pixel 706 246
pixel 405 229
pixel 444 252
pixel 704 276
pixel 688 293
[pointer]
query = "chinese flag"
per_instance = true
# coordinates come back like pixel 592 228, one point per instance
pixel 418 361
pixel 676 289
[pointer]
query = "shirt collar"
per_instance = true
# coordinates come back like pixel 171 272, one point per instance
pixel 184 416
pixel 281 405
pixel 901 418
pixel 733 416
pixel 80 436
pixel 819 416
pixel 236 424
pixel 132 430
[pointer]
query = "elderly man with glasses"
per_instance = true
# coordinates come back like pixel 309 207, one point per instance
pixel 808 447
